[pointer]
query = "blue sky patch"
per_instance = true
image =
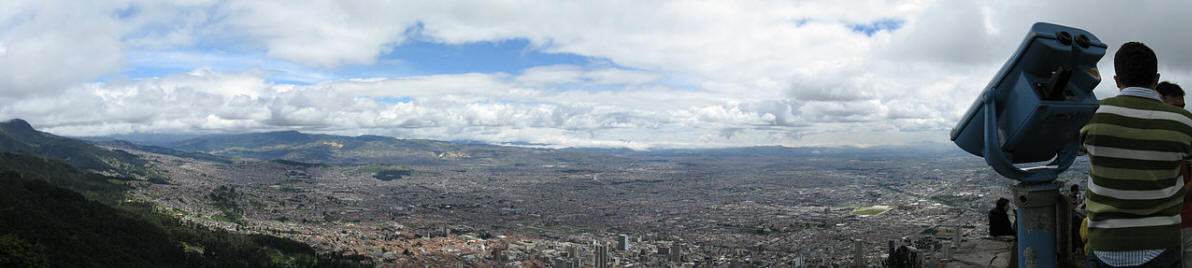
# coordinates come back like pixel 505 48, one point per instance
pixel 409 59
pixel 801 22
pixel 886 24
pixel 508 56
pixel 127 12
pixel 393 100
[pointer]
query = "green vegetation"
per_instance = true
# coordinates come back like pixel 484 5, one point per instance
pixel 382 172
pixel 17 252
pixel 175 211
pixel 295 163
pixel 389 175
pixel 191 249
pixel 230 218
pixel 18 136
pixel 93 186
pixel 871 210
pixel 42 224
pixel 224 198
pixel 167 151
pixel 868 211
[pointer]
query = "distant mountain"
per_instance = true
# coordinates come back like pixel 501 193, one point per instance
pixel 151 139
pixel 213 143
pixel 363 150
pixel 106 189
pixel 164 150
pixel 918 150
pixel 18 136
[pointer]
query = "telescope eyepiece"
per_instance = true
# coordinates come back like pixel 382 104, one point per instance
pixel 1064 37
pixel 1083 41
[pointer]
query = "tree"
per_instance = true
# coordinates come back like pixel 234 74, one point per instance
pixel 16 252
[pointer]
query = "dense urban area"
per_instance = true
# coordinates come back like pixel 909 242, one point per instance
pixel 585 209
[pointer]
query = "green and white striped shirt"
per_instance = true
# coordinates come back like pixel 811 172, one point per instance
pixel 1135 144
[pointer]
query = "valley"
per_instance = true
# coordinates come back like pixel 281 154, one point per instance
pixel 481 207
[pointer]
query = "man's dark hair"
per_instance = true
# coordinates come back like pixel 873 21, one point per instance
pixel 1075 187
pixel 1135 64
pixel 1002 202
pixel 1168 89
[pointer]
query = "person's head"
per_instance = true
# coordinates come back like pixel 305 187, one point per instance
pixel 1136 66
pixel 1003 204
pixel 1075 188
pixel 1171 93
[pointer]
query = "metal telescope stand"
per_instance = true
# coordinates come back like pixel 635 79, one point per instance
pixel 1032 112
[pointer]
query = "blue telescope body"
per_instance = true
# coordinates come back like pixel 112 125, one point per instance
pixel 1033 109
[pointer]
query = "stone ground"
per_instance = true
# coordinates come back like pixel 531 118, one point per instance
pixel 984 252
pixel 987 252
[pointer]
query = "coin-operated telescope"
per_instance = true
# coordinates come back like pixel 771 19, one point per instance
pixel 1032 111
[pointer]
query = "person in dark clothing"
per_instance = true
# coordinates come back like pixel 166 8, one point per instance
pixel 1074 196
pixel 1077 217
pixel 999 220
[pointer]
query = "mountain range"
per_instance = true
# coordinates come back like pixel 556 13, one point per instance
pixel 18 136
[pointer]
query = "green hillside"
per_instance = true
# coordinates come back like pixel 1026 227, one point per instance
pixel 56 213
pixel 18 136
pixel 43 224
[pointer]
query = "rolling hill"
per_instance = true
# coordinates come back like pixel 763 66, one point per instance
pixel 59 209
pixel 364 150
pixel 18 136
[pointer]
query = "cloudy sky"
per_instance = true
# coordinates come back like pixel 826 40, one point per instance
pixel 636 74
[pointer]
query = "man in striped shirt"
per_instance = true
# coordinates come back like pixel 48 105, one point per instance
pixel 1135 144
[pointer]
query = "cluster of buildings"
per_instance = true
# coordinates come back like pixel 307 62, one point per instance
pixel 690 213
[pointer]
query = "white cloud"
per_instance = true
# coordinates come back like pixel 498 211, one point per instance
pixel 482 107
pixel 554 75
pixel 678 73
pixel 54 44
pixel 322 33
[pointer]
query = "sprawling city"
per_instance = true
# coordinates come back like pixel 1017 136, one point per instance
pixel 594 134
pixel 779 207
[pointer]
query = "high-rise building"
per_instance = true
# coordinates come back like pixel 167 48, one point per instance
pixel 676 253
pixel 623 243
pixel 859 254
pixel 956 236
pixel 600 256
pixel 566 263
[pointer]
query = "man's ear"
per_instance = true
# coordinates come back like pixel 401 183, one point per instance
pixel 1118 82
pixel 1155 83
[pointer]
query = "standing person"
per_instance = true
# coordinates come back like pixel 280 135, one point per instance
pixel 999 219
pixel 1174 95
pixel 1171 93
pixel 1135 145
pixel 1074 196
pixel 1075 199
